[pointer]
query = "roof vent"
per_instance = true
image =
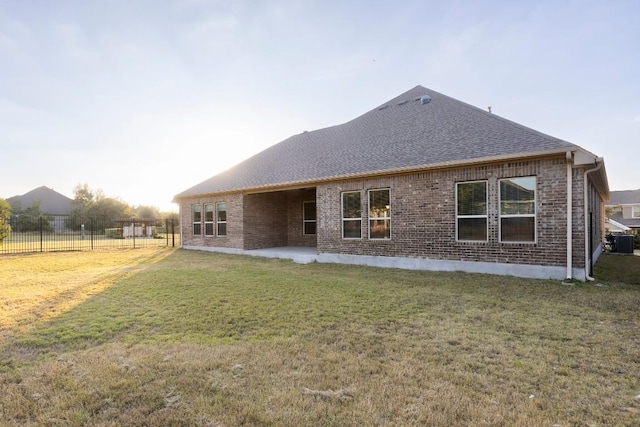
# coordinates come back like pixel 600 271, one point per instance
pixel 383 107
pixel 425 99
pixel 403 102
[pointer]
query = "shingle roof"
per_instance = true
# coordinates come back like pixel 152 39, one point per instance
pixel 629 222
pixel 404 133
pixel 51 202
pixel 625 197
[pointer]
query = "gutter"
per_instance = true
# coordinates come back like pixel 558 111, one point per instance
pixel 587 234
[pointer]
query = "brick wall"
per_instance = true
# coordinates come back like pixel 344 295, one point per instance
pixel 235 223
pixel 423 215
pixel 265 220
pixel 295 232
pixel 578 218
pixel 270 220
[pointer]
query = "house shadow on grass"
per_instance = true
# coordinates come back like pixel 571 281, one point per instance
pixel 53 300
pixel 618 268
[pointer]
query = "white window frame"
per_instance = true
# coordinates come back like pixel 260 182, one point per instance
pixel 350 219
pixel 213 232
pixel 534 215
pixel 218 222
pixel 635 211
pixel 379 218
pixel 485 216
pixel 306 221
pixel 193 219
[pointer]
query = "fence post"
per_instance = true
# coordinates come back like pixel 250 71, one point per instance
pixel 133 226
pixel 91 232
pixel 166 230
pixel 40 223
pixel 173 234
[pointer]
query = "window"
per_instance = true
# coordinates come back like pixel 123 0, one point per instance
pixel 309 218
pixel 518 209
pixel 197 220
pixel 379 214
pixel 351 215
pixel 635 211
pixel 221 218
pixel 471 210
pixel 208 220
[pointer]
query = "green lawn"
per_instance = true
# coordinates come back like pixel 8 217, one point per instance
pixel 164 337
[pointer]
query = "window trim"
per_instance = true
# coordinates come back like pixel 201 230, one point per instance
pixel 193 219
pixel 485 216
pixel 213 231
pixel 305 220
pixel 218 222
pixel 635 211
pixel 534 215
pixel 342 194
pixel 383 218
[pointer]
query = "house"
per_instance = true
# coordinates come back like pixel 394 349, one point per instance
pixel 624 212
pixel 423 181
pixel 55 205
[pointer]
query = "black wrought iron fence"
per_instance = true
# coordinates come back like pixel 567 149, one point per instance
pixel 50 233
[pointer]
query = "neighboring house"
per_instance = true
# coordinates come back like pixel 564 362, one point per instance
pixel 423 181
pixel 55 205
pixel 624 207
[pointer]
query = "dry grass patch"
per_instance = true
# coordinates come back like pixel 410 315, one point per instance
pixel 191 338
pixel 36 288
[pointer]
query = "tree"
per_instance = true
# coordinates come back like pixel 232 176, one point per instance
pixel 5 212
pixel 83 196
pixel 30 219
pixel 610 211
pixel 171 216
pixel 90 204
pixel 111 208
pixel 147 212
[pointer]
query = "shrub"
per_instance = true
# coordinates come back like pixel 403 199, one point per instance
pixel 113 233
pixel 5 229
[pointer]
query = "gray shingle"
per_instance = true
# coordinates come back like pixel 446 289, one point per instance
pixel 394 136
pixel 625 197
pixel 629 222
pixel 51 202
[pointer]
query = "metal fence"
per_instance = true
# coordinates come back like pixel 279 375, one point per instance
pixel 47 233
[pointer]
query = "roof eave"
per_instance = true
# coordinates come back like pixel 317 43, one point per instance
pixel 393 171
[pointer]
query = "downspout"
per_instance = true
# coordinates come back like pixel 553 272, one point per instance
pixel 569 215
pixel 587 234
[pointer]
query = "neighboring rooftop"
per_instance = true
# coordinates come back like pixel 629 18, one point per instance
pixel 51 202
pixel 419 129
pixel 625 197
pixel 629 222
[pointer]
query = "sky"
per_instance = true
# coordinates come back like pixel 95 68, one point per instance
pixel 144 99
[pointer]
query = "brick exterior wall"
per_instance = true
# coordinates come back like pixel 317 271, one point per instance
pixel 265 220
pixel 578 218
pixel 295 200
pixel 423 222
pixel 596 209
pixel 235 222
